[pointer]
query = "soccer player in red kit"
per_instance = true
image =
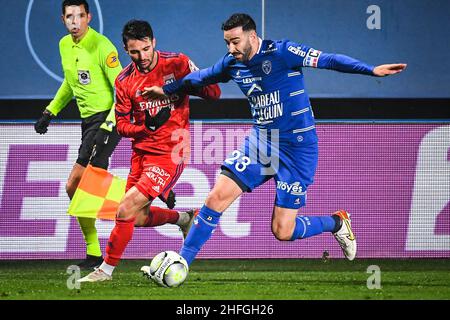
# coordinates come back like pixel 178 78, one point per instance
pixel 157 128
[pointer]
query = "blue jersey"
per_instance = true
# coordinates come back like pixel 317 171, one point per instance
pixel 273 82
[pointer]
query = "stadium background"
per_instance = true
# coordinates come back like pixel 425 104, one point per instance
pixel 385 143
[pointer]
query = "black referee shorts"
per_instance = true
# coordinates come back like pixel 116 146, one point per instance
pixel 89 127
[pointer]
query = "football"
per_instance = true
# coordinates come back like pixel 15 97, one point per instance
pixel 169 269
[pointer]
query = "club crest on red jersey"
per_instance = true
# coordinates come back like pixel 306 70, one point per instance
pixel 169 78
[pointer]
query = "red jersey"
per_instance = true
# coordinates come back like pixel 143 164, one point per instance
pixel 130 105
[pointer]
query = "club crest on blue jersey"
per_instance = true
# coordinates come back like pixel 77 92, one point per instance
pixel 267 66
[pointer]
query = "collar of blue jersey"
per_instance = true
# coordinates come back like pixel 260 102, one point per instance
pixel 260 45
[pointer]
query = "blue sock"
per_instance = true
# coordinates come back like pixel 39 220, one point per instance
pixel 204 225
pixel 306 227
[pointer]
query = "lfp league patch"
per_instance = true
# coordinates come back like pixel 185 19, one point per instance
pixel 84 77
pixel 112 60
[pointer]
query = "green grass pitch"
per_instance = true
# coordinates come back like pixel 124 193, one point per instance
pixel 277 279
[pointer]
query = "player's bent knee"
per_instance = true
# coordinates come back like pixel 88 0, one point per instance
pixel 215 199
pixel 125 211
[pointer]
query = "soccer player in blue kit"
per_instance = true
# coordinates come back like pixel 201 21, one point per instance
pixel 283 141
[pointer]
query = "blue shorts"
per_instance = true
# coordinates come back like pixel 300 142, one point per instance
pixel 292 165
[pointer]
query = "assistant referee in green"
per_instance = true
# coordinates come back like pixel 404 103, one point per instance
pixel 91 64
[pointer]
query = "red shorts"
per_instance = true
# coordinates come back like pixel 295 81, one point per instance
pixel 153 175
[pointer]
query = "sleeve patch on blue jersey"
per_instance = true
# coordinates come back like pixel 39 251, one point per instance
pixel 312 58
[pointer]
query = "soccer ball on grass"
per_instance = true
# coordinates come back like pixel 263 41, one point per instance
pixel 168 269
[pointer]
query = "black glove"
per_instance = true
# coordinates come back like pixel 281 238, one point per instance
pixel 102 137
pixel 41 125
pixel 170 201
pixel 153 123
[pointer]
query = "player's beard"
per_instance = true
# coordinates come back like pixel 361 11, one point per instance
pixel 146 67
pixel 246 52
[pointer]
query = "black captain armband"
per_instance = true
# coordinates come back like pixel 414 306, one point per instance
pixel 154 123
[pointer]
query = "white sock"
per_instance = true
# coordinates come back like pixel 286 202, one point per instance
pixel 106 268
pixel 183 218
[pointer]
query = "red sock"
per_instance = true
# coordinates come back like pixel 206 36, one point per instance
pixel 118 240
pixel 159 216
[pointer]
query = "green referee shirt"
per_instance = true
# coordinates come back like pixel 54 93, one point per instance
pixel 90 69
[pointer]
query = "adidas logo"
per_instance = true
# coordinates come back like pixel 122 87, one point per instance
pixel 156 188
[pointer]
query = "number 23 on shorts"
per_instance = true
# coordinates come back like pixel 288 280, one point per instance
pixel 240 165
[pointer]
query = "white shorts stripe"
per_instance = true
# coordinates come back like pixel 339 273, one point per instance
pixel 295 93
pixel 296 113
pixel 303 129
pixel 293 74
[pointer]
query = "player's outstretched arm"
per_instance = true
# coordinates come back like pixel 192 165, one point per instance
pixel 389 69
pixel 153 93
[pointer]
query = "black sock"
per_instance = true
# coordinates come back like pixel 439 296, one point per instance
pixel 338 221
